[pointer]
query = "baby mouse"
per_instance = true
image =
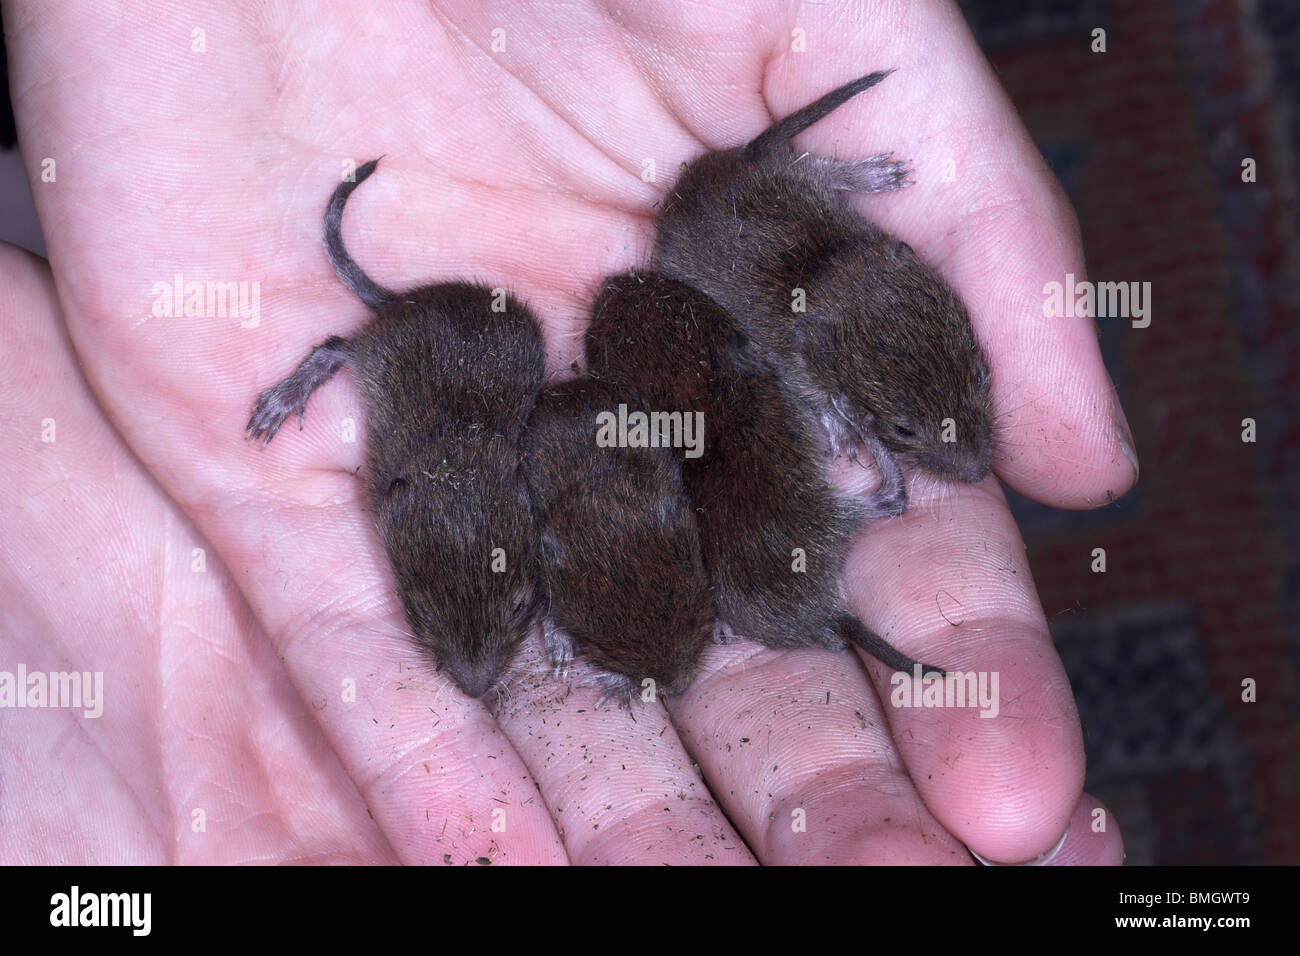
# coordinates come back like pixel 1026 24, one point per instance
pixel 773 531
pixel 620 549
pixel 883 342
pixel 448 385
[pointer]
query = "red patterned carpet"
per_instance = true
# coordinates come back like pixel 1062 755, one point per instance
pixel 1201 590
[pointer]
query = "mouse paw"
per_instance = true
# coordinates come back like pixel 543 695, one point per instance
pixel 723 634
pixel 290 396
pixel 841 437
pixel 613 687
pixel 875 174
pixel 559 647
pixel 886 502
pixel 889 500
pixel 273 407
pixel 841 428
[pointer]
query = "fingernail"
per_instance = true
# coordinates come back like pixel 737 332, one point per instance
pixel 1125 438
pixel 1041 860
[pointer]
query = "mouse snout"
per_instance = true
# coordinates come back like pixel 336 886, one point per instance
pixel 969 467
pixel 973 471
pixel 474 679
pixel 967 462
pixel 974 466
pixel 969 459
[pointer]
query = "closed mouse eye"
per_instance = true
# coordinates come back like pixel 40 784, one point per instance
pixel 982 379
pixel 519 604
pixel 902 430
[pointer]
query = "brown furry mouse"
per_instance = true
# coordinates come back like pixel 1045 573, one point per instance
pixel 621 561
pixel 884 343
pixel 449 383
pixel 773 531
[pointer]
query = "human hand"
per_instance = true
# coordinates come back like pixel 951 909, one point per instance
pixel 192 747
pixel 519 167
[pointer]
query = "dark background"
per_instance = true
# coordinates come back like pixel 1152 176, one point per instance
pixel 1203 556
pixel 1202 587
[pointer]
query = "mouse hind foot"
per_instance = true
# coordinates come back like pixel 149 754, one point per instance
pixel 290 396
pixel 876 174
pixel 618 688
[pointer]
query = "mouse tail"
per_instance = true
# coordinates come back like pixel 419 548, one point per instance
pixel 365 289
pixel 855 632
pixel 784 130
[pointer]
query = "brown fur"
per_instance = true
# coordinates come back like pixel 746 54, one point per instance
pixel 758 487
pixel 620 547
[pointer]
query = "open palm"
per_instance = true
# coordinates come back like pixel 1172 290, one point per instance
pixel 526 147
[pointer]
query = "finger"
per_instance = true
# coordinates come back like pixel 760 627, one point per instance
pixel 618 780
pixel 1001 766
pixel 794 745
pixel 1093 838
